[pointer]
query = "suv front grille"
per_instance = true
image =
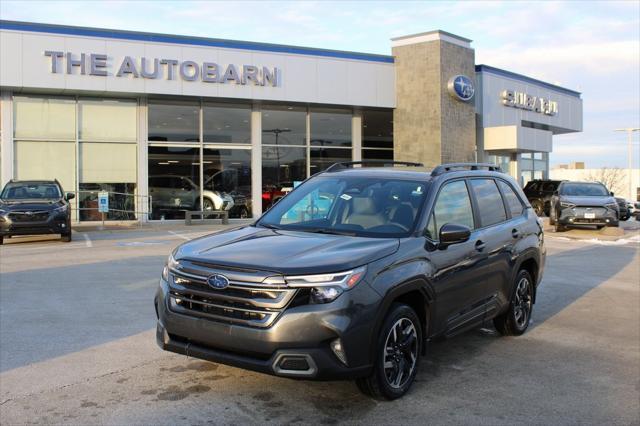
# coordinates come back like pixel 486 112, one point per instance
pixel 598 211
pixel 21 217
pixel 246 301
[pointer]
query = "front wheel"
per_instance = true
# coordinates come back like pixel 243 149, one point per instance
pixel 397 355
pixel 515 320
pixel 538 207
pixel 66 238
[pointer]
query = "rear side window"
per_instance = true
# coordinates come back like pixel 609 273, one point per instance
pixel 490 205
pixel 452 206
pixel 513 201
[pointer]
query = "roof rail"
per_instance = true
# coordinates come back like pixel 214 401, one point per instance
pixel 347 164
pixel 449 167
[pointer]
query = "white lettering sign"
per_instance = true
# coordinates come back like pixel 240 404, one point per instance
pixel 162 68
pixel 527 102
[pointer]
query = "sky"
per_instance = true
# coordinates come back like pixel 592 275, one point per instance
pixel 592 47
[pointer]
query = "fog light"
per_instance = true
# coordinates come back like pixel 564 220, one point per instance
pixel 336 347
pixel 63 225
pixel 607 221
pixel 571 219
pixel 325 294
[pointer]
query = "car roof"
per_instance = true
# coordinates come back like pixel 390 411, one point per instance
pixel 409 173
pixel 33 181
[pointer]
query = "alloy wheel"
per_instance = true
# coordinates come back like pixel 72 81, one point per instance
pixel 400 353
pixel 522 303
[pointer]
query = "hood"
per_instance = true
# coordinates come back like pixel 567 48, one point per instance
pixel 33 204
pixel 597 201
pixel 286 252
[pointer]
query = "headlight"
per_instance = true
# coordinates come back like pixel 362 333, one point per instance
pixel 171 263
pixel 61 209
pixel 326 288
pixel 566 205
pixel 612 206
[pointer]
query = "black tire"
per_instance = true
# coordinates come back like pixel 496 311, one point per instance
pixel 66 238
pixel 1 240
pixel 599 227
pixel 515 320
pixel 538 207
pixel 558 227
pixel 244 213
pixel 552 221
pixel 401 361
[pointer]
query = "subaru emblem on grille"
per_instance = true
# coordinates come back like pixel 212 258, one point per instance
pixel 218 281
pixel 29 213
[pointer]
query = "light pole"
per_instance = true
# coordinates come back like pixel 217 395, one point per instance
pixel 630 131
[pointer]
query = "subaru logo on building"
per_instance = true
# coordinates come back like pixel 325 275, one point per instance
pixel 218 282
pixel 461 87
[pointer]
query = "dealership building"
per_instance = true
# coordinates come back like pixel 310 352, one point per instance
pixel 169 123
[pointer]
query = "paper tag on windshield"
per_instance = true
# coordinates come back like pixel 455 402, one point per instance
pixel 345 197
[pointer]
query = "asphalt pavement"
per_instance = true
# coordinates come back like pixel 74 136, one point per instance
pixel 77 346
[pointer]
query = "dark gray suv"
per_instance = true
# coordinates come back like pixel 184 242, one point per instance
pixel 354 271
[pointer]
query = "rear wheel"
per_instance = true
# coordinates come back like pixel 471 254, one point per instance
pixel 558 227
pixel 1 240
pixel 397 355
pixel 599 227
pixel 515 320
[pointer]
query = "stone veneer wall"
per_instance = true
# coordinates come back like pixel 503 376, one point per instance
pixel 430 126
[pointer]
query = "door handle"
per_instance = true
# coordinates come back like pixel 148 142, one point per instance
pixel 480 245
pixel 515 233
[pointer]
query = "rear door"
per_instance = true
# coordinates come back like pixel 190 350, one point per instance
pixel 496 235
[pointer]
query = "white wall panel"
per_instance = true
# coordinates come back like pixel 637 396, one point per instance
pixel 303 78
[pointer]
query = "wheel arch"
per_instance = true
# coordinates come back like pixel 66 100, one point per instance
pixel 530 264
pixel 414 293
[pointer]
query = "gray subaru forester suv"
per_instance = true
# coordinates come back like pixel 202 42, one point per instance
pixel 352 273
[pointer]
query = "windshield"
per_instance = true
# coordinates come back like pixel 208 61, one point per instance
pixel 24 190
pixel 584 190
pixel 352 205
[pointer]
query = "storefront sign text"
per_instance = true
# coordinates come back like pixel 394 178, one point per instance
pixel 521 100
pixel 160 68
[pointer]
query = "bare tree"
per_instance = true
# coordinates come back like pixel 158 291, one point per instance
pixel 613 178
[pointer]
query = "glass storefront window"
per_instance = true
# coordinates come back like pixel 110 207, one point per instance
pixel 284 125
pixel 107 120
pixel 227 180
pixel 107 167
pixel 377 154
pixel 44 118
pixel 321 158
pixel 227 123
pixel 503 161
pixel 377 129
pixel 174 121
pixel 331 128
pixel 174 176
pixel 282 167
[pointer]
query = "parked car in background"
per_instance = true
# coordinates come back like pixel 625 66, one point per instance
pixel 228 182
pixel 624 212
pixel 539 193
pixel 583 203
pixel 32 207
pixel 353 272
pixel 173 193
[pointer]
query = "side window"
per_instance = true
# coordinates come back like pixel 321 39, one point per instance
pixel 452 206
pixel 513 201
pixel 490 205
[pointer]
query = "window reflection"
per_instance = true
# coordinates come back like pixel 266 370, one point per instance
pixel 174 121
pixel 227 179
pixel 321 158
pixel 227 123
pixel 174 175
pixel 282 168
pixel 284 125
pixel 331 128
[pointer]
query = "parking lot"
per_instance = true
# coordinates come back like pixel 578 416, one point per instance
pixel 77 346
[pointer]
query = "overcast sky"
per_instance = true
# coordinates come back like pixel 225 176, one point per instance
pixel 591 47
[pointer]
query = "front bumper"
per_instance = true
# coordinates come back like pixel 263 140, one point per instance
pixel 301 336
pixel 56 223
pixel 579 216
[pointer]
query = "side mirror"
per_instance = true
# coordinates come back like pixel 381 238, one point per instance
pixel 611 193
pixel 69 196
pixel 450 233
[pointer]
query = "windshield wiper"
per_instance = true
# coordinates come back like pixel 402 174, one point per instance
pixel 330 231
